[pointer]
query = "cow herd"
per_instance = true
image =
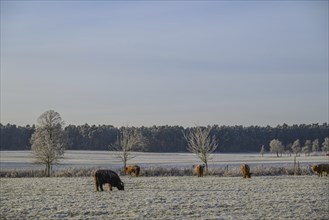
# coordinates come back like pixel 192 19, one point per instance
pixel 110 177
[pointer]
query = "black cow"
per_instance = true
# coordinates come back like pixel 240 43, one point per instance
pixel 107 176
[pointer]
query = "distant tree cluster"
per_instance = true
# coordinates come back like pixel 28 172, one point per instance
pixel 171 138
pixel 296 148
pixel 16 137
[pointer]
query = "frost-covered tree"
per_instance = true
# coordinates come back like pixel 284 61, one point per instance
pixel 325 145
pixel 276 147
pixel 307 147
pixel 201 143
pixel 49 140
pixel 315 145
pixel 306 150
pixel 262 150
pixel 296 147
pixel 128 140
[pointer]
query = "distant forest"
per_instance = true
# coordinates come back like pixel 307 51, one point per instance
pixel 170 138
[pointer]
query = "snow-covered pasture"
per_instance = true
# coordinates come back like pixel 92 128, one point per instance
pixel 188 197
pixel 108 159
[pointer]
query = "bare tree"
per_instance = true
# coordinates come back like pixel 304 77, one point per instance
pixel 262 150
pixel 296 147
pixel 315 145
pixel 325 145
pixel 276 147
pixel 201 143
pixel 49 140
pixel 307 147
pixel 129 139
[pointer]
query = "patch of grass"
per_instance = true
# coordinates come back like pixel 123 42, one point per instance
pixel 160 171
pixel 21 173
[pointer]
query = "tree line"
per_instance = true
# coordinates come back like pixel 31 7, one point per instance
pixel 171 138
pixel 297 147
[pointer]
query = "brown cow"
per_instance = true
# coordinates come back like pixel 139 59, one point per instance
pixel 199 170
pixel 133 169
pixel 107 176
pixel 321 169
pixel 245 169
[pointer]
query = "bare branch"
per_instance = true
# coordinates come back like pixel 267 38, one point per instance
pixel 129 139
pixel 200 143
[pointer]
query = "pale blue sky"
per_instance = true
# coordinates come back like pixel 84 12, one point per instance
pixel 165 63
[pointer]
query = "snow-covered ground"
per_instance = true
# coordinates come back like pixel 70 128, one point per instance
pixel 108 159
pixel 266 197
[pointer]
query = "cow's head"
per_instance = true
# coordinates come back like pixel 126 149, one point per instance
pixel 121 186
pixel 314 168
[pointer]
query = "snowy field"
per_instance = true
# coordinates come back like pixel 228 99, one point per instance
pixel 108 159
pixel 279 197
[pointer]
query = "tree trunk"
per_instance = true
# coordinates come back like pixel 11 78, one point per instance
pixel 124 166
pixel 48 168
pixel 206 169
pixel 295 167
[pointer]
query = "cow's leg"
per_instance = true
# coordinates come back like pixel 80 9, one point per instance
pixel 101 187
pixel 110 187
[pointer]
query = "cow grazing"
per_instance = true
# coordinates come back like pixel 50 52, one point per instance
pixel 107 176
pixel 133 170
pixel 245 169
pixel 199 170
pixel 321 169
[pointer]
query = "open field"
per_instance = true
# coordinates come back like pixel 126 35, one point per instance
pixel 177 197
pixel 108 159
pixel 279 197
